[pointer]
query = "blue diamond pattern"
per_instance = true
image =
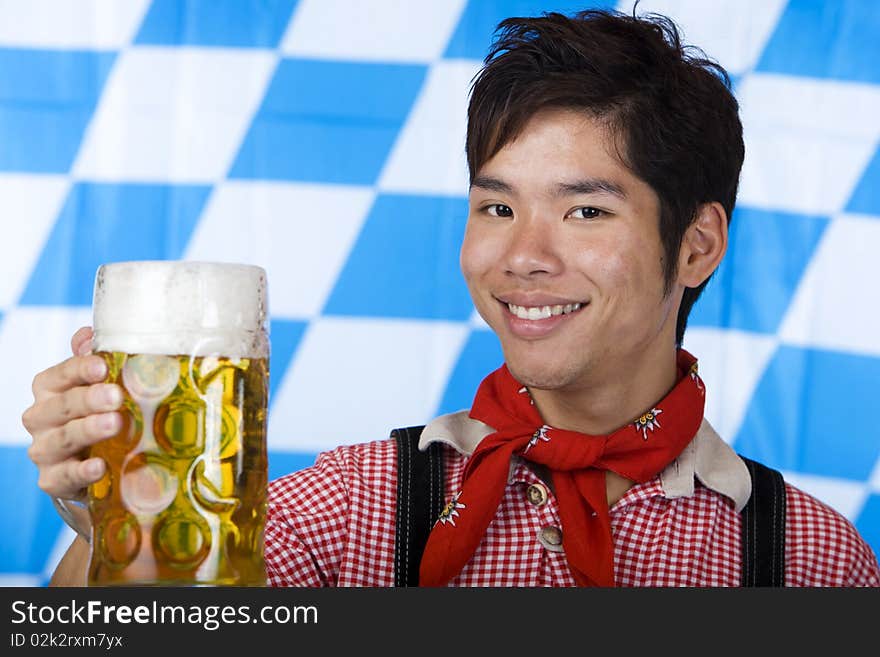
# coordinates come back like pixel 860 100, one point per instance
pixel 834 39
pixel 480 356
pixel 111 223
pixel 284 336
pixel 868 522
pixel 866 197
pixel 231 23
pixel 767 251
pixel 328 121
pixel 320 133
pixel 405 262
pixel 481 17
pixel 46 101
pixel 28 512
pixel 812 413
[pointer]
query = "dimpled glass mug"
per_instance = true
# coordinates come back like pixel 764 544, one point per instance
pixel 183 500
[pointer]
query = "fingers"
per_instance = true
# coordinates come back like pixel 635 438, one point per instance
pixel 72 410
pixel 56 453
pixel 78 402
pixel 68 440
pixel 81 342
pixel 75 371
pixel 68 479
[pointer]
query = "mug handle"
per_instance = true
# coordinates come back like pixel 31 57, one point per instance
pixel 76 520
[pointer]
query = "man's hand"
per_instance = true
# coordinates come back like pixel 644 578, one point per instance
pixel 72 410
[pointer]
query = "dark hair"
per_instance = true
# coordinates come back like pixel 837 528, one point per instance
pixel 669 107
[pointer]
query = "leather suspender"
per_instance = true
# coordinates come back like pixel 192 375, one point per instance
pixel 763 528
pixel 419 501
pixel 420 498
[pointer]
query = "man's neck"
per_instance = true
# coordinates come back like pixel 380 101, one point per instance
pixel 612 399
pixel 616 399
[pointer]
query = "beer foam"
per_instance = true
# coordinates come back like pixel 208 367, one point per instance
pixel 181 307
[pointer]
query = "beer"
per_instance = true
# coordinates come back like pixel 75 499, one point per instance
pixel 183 499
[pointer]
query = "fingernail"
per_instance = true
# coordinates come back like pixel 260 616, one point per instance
pixel 98 368
pixel 109 422
pixel 112 396
pixel 85 348
pixel 94 468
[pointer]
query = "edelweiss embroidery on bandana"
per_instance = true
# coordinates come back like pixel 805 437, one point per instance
pixel 648 421
pixel 451 510
pixel 540 434
pixel 696 378
pixel 525 390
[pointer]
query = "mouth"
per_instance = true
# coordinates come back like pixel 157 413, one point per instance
pixel 537 313
pixel 539 316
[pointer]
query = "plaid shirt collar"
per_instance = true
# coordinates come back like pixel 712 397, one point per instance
pixel 707 458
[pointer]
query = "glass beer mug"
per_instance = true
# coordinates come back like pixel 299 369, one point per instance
pixel 183 500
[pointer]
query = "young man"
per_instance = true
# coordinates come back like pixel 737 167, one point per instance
pixel 604 161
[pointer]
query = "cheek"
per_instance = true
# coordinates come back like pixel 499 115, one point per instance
pixel 626 268
pixel 609 264
pixel 477 253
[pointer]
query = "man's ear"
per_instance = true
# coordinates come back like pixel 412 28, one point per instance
pixel 703 245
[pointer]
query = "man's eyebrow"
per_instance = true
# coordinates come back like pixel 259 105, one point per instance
pixel 590 186
pixel 491 184
pixel 585 186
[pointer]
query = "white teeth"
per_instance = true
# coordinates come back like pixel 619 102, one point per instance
pixel 539 313
pixel 542 312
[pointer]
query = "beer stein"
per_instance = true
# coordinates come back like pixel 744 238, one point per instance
pixel 183 500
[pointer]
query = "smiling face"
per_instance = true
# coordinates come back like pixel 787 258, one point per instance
pixel 563 259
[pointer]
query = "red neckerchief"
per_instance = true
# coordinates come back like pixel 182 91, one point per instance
pixel 577 462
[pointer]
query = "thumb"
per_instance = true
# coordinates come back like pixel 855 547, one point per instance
pixel 81 342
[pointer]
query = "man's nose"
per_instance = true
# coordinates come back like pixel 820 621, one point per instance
pixel 532 248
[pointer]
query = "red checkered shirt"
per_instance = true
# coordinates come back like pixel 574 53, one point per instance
pixel 333 524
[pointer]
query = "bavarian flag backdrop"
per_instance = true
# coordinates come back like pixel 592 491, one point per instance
pixel 323 140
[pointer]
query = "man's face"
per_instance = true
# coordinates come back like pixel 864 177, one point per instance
pixel 563 259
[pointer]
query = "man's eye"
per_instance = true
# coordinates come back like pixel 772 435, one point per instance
pixel 499 210
pixel 586 213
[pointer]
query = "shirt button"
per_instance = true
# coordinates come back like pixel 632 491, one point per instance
pixel 551 538
pixel 537 494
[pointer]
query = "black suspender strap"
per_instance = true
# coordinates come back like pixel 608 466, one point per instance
pixel 420 497
pixel 763 528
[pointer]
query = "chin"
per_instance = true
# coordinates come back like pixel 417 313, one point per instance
pixel 544 376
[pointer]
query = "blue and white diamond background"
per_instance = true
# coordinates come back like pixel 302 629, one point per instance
pixel 323 140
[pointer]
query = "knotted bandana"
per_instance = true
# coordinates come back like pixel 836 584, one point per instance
pixel 577 462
